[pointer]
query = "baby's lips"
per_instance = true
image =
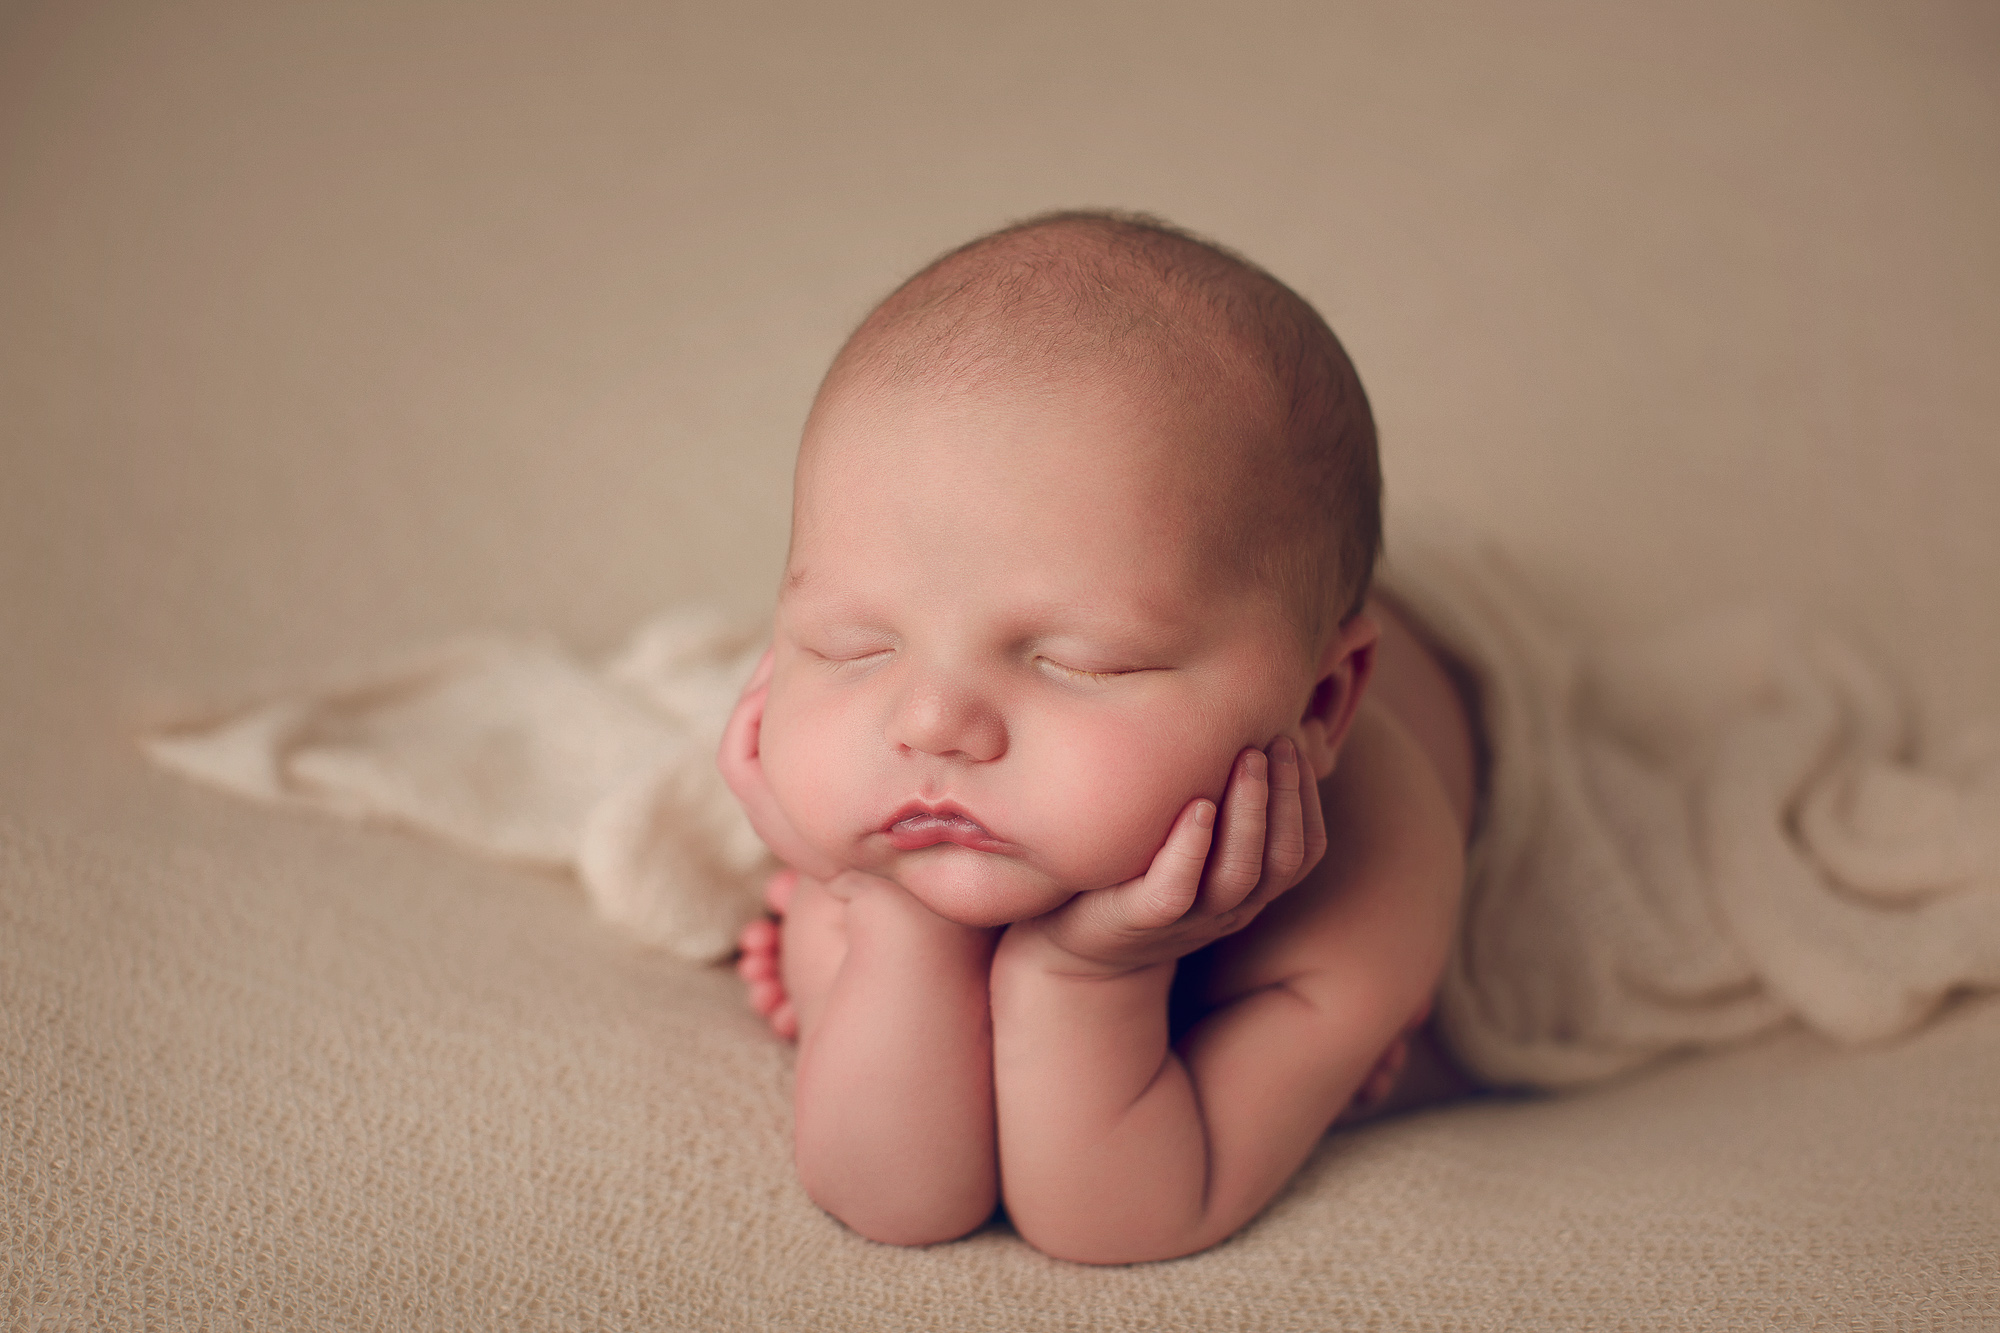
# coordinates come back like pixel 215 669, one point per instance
pixel 915 827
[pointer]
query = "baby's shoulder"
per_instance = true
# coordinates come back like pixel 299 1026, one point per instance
pixel 1431 695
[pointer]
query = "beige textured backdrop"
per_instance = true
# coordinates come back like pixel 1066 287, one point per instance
pixel 329 329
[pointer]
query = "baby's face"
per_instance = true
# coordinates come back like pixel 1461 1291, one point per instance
pixel 1006 652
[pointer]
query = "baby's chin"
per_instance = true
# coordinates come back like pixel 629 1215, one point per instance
pixel 976 888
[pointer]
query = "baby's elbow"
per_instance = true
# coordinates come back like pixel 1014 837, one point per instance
pixel 1091 1250
pixel 921 1221
pixel 919 1229
pixel 1105 1245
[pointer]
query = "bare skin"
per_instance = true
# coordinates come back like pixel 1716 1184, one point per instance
pixel 789 965
pixel 1109 890
pixel 1330 961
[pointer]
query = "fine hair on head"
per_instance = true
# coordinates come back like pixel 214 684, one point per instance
pixel 1132 294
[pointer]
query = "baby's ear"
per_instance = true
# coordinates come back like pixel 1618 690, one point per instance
pixel 1342 675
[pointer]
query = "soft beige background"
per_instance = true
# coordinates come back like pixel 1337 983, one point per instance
pixel 329 329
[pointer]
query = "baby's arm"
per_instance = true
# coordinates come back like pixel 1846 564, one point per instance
pixel 892 1103
pixel 893 1100
pixel 1117 1147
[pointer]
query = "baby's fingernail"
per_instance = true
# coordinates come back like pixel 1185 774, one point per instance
pixel 1283 751
pixel 1204 814
pixel 1255 765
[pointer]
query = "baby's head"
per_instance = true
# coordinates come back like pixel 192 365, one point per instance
pixel 1082 510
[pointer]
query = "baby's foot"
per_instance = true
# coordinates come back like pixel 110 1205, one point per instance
pixel 1376 1089
pixel 758 965
pixel 1381 1080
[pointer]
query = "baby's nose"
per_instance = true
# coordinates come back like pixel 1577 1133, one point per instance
pixel 948 724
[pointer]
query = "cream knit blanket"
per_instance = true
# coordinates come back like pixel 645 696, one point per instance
pixel 515 748
pixel 1686 839
pixel 1694 836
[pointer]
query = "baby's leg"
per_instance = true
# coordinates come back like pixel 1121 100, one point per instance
pixel 789 963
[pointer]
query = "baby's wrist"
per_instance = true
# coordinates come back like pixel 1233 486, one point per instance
pixel 882 907
pixel 1028 947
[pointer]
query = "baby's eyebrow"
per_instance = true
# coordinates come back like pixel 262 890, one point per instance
pixel 795 578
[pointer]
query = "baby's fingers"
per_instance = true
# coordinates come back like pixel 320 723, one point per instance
pixel 1237 862
pixel 741 735
pixel 1285 824
pixel 1315 816
pixel 1170 884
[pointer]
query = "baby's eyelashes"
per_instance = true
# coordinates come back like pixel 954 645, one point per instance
pixel 1058 669
pixel 843 659
pixel 846 661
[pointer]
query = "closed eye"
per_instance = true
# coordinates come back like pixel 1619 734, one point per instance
pixel 848 661
pixel 1078 673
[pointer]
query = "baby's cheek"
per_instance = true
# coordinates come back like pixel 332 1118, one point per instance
pixel 1112 798
pixel 802 758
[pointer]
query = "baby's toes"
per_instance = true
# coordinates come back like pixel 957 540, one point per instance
pixel 778 891
pixel 758 966
pixel 758 951
pixel 766 997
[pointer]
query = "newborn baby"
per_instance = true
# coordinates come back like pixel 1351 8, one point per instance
pixel 1125 830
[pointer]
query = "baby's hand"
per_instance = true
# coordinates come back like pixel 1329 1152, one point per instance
pixel 742 764
pixel 1201 885
pixel 851 884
